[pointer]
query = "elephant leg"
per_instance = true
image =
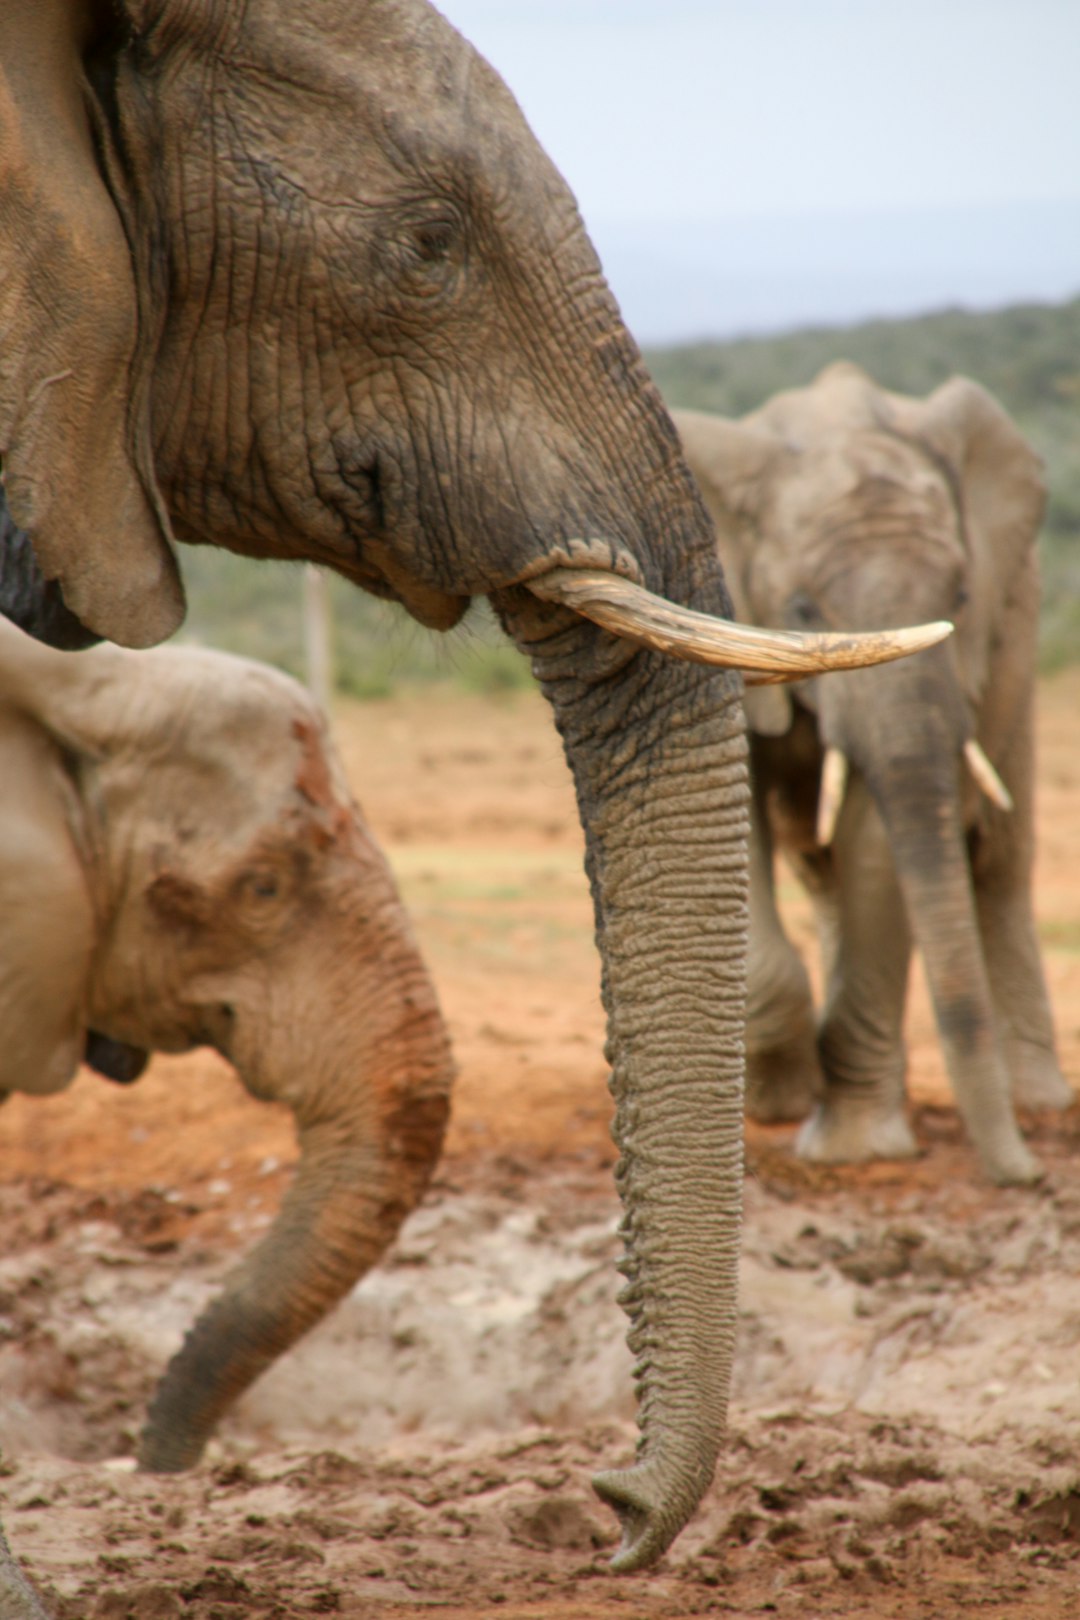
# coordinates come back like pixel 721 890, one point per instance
pixel 867 947
pixel 1001 870
pixel 783 1076
pixel 1014 966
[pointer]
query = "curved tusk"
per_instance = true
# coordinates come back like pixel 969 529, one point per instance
pixel 986 776
pixel 834 773
pixel 630 611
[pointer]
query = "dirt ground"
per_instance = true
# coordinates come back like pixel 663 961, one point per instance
pixel 907 1405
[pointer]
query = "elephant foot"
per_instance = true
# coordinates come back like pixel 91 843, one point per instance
pixel 784 1083
pixel 853 1130
pixel 1037 1081
pixel 1010 1164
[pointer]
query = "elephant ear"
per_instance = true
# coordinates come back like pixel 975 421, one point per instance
pixel 48 923
pixel 75 700
pixel 731 462
pixel 74 434
pixel 1001 495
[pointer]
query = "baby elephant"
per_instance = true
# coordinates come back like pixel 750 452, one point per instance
pixel 181 865
pixel 903 796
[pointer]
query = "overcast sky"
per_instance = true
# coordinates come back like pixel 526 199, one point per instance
pixel 676 108
pixel 697 112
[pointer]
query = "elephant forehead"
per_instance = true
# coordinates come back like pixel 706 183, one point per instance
pixel 215 747
pixel 232 725
pixel 861 481
pixel 350 101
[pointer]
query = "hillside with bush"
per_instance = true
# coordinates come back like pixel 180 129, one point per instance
pixel 1028 356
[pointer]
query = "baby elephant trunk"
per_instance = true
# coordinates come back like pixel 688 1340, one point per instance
pixel 361 1171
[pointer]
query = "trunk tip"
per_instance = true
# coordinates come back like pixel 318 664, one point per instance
pixel 163 1450
pixel 651 1513
pixel 184 1410
pixel 643 1540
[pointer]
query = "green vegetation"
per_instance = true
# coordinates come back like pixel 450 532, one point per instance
pixel 1029 357
pixel 256 608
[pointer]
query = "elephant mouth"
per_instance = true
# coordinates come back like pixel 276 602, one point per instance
pixel 626 609
pixel 429 605
pixel 834 776
pixel 434 609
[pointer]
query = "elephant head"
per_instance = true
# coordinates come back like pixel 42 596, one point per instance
pixel 182 865
pixel 297 280
pixel 842 506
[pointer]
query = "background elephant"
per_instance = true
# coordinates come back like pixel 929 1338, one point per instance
pixel 298 280
pixel 843 506
pixel 181 864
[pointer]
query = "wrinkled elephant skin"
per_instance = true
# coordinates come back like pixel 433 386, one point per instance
pixel 314 291
pixel 388 347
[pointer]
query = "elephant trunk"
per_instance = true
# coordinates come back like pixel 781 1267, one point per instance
pixel 368 1147
pixel 905 732
pixel 657 752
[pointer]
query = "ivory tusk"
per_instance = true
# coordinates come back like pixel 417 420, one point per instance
pixel 834 772
pixel 630 611
pixel 986 776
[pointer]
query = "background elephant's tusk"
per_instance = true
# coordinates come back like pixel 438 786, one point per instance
pixel 986 776
pixel 834 773
pixel 630 611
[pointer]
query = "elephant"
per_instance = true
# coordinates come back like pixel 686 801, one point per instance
pixel 181 865
pixel 299 281
pixel 843 505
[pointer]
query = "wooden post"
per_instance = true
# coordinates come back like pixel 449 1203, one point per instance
pixel 318 637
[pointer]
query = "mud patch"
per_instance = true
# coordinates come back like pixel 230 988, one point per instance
pixel 906 1421
pixel 894 1425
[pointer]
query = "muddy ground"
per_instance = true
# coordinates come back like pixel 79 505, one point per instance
pixel 906 1418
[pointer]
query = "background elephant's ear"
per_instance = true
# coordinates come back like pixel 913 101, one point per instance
pixel 1000 491
pixel 1000 475
pixel 73 404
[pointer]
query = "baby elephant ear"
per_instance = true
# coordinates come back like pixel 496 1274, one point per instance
pixel 73 424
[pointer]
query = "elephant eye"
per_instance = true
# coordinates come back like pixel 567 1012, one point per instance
pixel 961 599
pixel 264 885
pixel 803 610
pixel 433 245
pixel 434 240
